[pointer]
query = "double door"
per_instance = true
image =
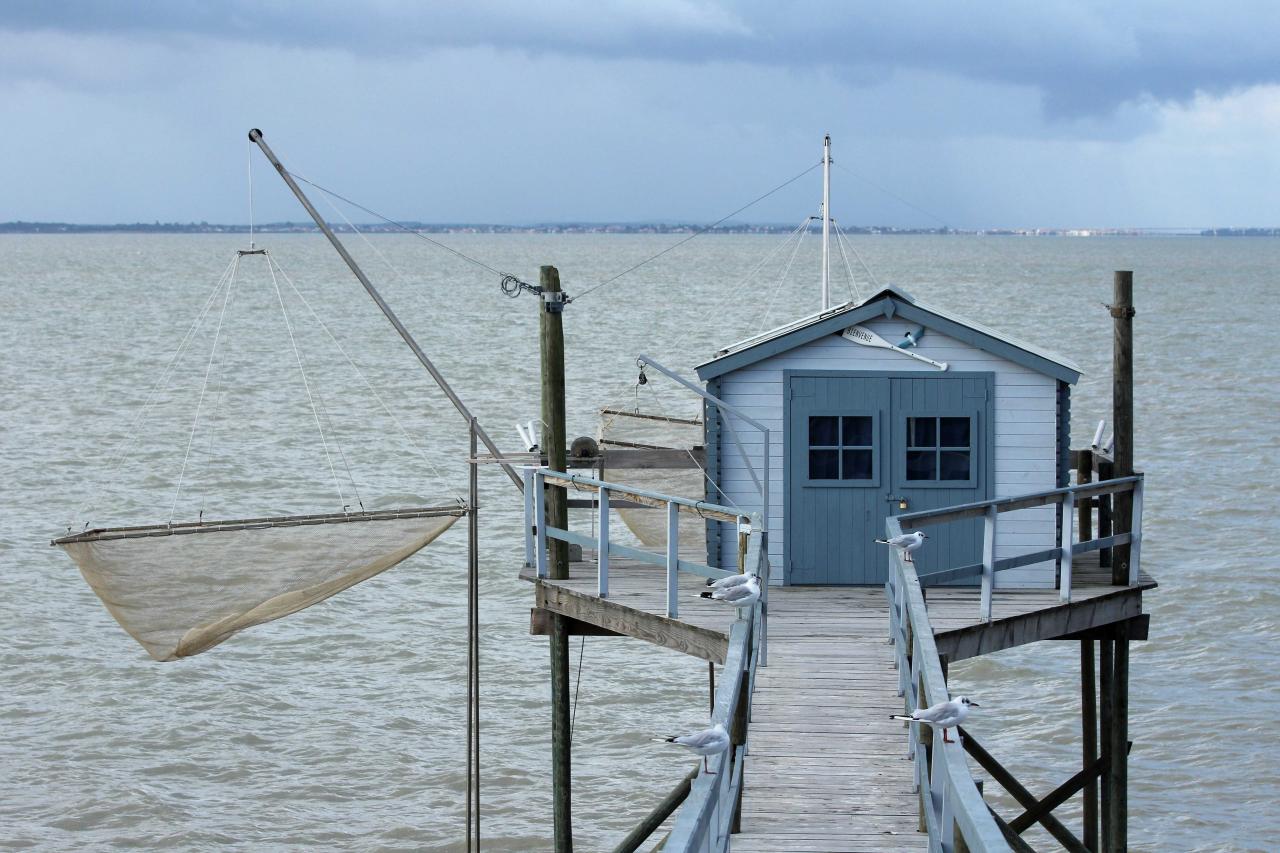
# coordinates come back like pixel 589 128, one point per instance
pixel 861 447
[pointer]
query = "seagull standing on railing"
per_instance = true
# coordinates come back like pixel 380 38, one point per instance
pixel 944 715
pixel 712 741
pixel 744 590
pixel 908 542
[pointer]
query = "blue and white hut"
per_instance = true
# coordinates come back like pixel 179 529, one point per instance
pixel 882 407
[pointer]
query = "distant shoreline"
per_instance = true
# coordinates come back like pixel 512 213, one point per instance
pixel 606 228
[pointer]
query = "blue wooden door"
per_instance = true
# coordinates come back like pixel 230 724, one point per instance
pixel 941 456
pixel 838 477
pixel 857 445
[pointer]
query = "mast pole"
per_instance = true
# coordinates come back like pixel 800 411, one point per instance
pixel 826 222
pixel 255 136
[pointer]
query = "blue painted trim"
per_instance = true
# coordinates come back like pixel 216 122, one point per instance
pixel 711 441
pixel 837 323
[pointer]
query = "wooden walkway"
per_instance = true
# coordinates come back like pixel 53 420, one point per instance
pixel 826 767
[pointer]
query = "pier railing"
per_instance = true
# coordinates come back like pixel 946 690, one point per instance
pixel 950 803
pixel 538 531
pixel 710 816
pixel 1072 499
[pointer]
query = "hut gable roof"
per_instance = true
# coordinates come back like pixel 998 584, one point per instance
pixel 888 302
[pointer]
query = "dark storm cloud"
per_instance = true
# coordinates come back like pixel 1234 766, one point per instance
pixel 1084 58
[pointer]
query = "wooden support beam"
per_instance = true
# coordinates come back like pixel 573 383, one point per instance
pixel 1118 735
pixel 1089 740
pixel 673 634
pixel 540 625
pixel 1139 629
pixel 1015 840
pixel 1046 623
pixel 1024 797
pixel 1057 797
pixel 1106 697
pixel 660 813
pixel 1122 413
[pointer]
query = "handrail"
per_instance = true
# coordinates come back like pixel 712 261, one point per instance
pixel 706 821
pixel 1068 548
pixel 949 797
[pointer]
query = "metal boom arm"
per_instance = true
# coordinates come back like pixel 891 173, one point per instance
pixel 255 136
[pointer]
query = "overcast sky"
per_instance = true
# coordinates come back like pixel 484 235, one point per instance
pixel 1155 114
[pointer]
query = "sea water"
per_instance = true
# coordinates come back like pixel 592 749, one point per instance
pixel 342 727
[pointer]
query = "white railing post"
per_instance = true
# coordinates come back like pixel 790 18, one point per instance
pixel 673 559
pixel 1135 531
pixel 529 523
pixel 540 522
pixel 602 546
pixel 988 561
pixel 1068 542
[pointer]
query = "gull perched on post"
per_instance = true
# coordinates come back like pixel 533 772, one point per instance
pixel 908 542
pixel 944 715
pixel 738 590
pixel 712 741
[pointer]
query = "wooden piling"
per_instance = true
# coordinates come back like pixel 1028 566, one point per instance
pixel 1117 774
pixel 1089 744
pixel 1106 659
pixel 551 334
pixel 1122 414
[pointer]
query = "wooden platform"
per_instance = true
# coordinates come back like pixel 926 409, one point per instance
pixel 826 769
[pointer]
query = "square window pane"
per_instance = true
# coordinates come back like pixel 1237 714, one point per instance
pixel 824 464
pixel 921 432
pixel 954 465
pixel 954 432
pixel 921 465
pixel 857 465
pixel 824 431
pixel 857 431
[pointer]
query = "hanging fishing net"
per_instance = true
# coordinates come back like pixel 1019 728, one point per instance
pixel 181 587
pixel 622 429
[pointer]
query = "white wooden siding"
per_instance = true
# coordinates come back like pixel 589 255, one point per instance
pixel 1026 434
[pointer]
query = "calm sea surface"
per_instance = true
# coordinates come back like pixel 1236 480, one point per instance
pixel 342 726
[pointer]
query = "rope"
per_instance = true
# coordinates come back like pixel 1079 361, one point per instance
pixel 307 385
pixel 405 228
pixel 195 422
pixel 117 457
pixel 855 292
pixel 841 236
pixel 217 403
pixel 416 445
pixel 573 716
pixel 697 233
pixel 782 278
pixel 733 293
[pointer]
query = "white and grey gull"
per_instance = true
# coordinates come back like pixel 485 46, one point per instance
pixel 738 590
pixel 944 715
pixel 707 742
pixel 908 542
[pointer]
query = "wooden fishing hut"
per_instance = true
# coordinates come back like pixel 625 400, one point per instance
pixel 956 430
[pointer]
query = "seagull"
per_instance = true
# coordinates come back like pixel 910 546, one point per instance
pixel 944 715
pixel 728 581
pixel 712 741
pixel 741 594
pixel 908 542
pixel 910 339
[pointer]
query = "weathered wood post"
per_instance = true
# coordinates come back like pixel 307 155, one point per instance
pixel 1106 661
pixel 1122 416
pixel 551 334
pixel 1089 745
pixel 1117 776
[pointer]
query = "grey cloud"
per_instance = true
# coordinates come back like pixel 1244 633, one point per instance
pixel 1084 58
